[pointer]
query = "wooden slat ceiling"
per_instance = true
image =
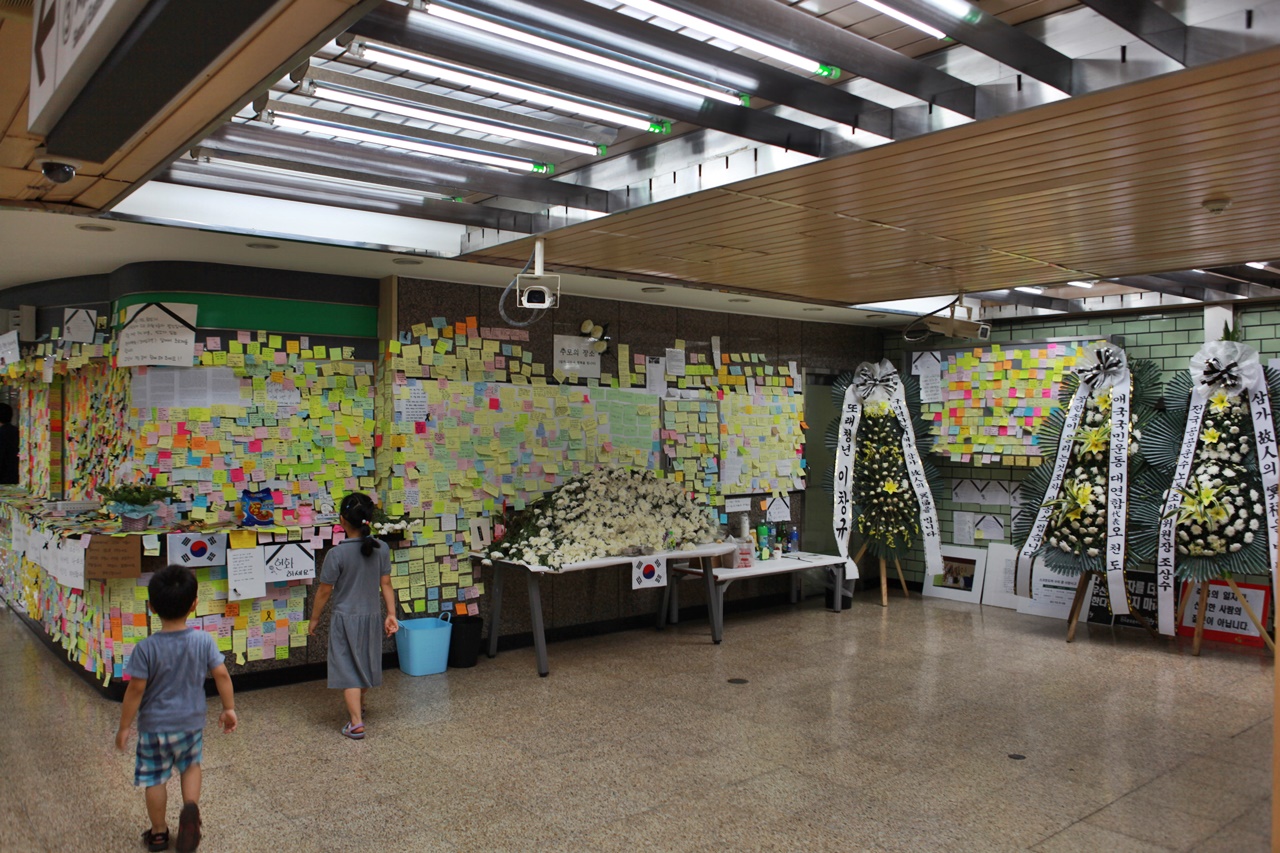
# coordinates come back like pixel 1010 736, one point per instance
pixel 1103 185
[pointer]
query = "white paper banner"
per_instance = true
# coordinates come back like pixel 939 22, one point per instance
pixel 842 515
pixel 1118 495
pixel 246 574
pixel 930 530
pixel 1169 517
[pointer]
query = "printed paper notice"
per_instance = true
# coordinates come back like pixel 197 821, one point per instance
pixel 157 333
pixel 9 351
pixel 575 356
pixel 655 381
pixel 246 574
pixel 79 325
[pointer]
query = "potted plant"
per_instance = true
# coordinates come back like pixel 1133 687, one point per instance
pixel 135 503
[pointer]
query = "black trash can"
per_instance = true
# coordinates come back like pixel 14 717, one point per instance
pixel 464 646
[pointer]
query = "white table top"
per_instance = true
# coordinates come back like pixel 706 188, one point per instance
pixel 778 565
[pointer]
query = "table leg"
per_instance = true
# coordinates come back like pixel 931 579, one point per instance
pixel 795 587
pixel 720 590
pixel 666 598
pixel 1077 604
pixel 673 615
pixel 535 614
pixel 709 576
pixel 837 577
pixel 1244 602
pixel 495 610
pixel 1200 613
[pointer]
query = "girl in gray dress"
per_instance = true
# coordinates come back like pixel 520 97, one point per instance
pixel 354 572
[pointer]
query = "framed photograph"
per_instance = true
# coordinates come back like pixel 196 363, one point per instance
pixel 963 570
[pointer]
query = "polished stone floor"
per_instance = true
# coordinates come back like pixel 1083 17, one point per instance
pixel 869 730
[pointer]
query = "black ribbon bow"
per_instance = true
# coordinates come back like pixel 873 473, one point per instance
pixel 1227 376
pixel 866 381
pixel 1109 364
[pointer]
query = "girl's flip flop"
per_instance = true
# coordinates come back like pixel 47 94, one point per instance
pixel 353 732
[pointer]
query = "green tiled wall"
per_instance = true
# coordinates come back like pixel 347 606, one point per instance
pixel 1169 338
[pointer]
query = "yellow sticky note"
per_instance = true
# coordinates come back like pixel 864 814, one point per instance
pixel 237 539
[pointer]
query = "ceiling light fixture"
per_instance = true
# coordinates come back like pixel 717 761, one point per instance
pixel 441 70
pixel 327 182
pixel 653 290
pixel 810 309
pixel 407 109
pixel 1082 283
pixel 1257 265
pixel 407 262
pixel 1035 291
pixel 262 245
pixel 395 140
pixel 886 9
pixel 491 25
pixel 734 37
pixel 739 299
pixel 96 229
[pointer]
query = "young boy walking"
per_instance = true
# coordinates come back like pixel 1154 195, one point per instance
pixel 166 693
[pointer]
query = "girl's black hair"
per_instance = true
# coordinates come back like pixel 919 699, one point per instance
pixel 357 509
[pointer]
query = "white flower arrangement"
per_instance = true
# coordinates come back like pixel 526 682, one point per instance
pixel 608 512
pixel 1078 526
pixel 1216 515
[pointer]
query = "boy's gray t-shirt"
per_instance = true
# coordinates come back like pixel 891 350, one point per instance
pixel 175 665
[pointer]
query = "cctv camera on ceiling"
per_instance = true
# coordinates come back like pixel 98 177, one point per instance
pixel 59 170
pixel 537 292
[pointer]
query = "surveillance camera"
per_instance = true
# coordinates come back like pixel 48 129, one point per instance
pixel 954 327
pixel 536 296
pixel 1216 205
pixel 57 171
pixel 537 291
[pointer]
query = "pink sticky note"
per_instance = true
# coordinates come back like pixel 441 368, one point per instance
pixel 338 534
pixel 242 337
pixel 494 404
pixel 237 475
pixel 213 344
pixel 255 446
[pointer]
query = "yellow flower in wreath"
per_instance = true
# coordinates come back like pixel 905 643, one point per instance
pixel 1095 440
pixel 1220 402
pixel 1104 401
pixel 890 486
pixel 1212 436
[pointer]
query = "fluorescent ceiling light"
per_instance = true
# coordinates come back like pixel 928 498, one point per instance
pixel 489 26
pixel 407 109
pixel 428 68
pixel 1257 265
pixel 956 7
pixel 885 9
pixel 1081 283
pixel 734 37
pixel 322 181
pixel 391 140
pixel 1030 289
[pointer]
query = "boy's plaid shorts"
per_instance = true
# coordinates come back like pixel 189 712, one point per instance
pixel 159 753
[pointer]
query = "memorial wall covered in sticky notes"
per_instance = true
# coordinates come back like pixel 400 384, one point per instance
pixel 995 397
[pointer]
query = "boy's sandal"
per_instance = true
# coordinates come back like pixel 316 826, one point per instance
pixel 353 732
pixel 188 828
pixel 155 841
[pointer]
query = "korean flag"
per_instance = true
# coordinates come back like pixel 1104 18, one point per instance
pixel 648 572
pixel 195 550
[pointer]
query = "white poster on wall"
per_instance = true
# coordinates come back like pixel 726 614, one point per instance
pixel 289 561
pixel 246 574
pixel 574 355
pixel 9 351
pixel 79 325
pixel 162 333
